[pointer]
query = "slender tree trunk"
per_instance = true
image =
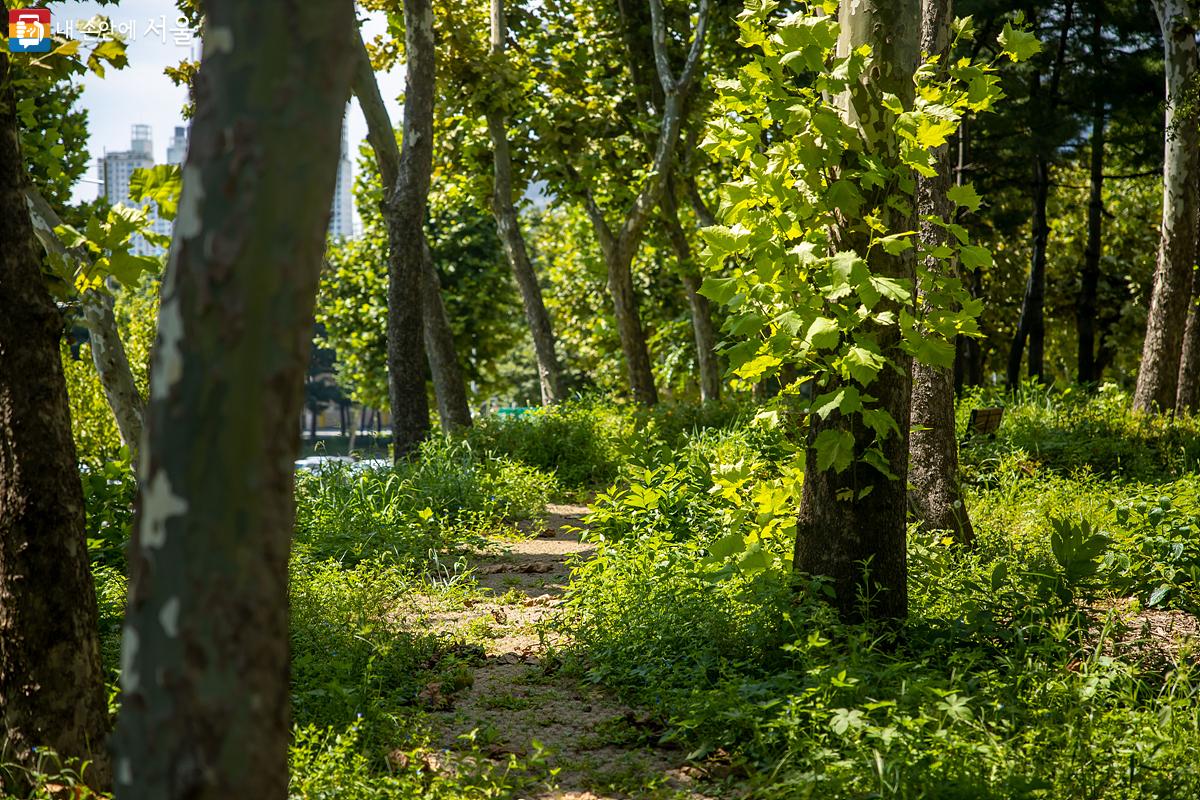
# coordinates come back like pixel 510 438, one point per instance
pixel 312 424
pixel 835 535
pixel 1187 395
pixel 1086 311
pixel 1159 371
pixel 448 385
pixel 702 326
pixel 51 684
pixel 108 351
pixel 404 212
pixel 1085 308
pixel 964 346
pixel 936 495
pixel 205 712
pixel 508 225
pixel 619 247
pixel 1031 328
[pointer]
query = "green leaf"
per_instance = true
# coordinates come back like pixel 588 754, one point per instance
pixel 823 334
pixel 965 195
pixel 1017 44
pixel 723 241
pixel 835 448
pixel 974 256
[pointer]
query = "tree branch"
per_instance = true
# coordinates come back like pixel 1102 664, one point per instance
pixel 380 132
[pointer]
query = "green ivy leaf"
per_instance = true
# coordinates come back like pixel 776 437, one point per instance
pixel 835 448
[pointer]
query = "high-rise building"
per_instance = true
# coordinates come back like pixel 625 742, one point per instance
pixel 177 149
pixel 116 170
pixel 341 221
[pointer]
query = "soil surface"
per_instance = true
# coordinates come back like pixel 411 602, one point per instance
pixel 517 697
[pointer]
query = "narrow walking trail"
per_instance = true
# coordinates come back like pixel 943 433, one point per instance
pixel 518 699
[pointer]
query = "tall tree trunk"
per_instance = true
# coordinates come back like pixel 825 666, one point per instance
pixel 1031 327
pixel 619 246
pixel 936 495
pixel 1187 394
pixel 1085 308
pixel 1158 374
pixel 508 225
pixel 108 351
pixel 51 684
pixel 404 213
pixel 834 535
pixel 448 386
pixel 204 675
pixel 703 331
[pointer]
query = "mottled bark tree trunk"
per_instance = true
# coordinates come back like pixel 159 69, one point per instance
pixel 204 663
pixel 704 334
pixel 1187 394
pixel 51 685
pixel 108 350
pixel 404 211
pixel 1089 281
pixel 936 495
pixel 1031 327
pixel 440 350
pixel 508 225
pixel 619 246
pixel 448 385
pixel 836 535
pixel 1158 374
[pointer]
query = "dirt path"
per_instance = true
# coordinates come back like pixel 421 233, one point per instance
pixel 518 695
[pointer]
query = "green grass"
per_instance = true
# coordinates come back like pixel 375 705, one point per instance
pixel 1023 671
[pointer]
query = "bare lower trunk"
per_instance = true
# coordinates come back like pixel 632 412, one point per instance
pixel 858 516
pixel 933 447
pixel 108 350
pixel 448 385
pixel 1158 375
pixel 51 685
pixel 702 326
pixel 1187 394
pixel 629 328
pixel 204 664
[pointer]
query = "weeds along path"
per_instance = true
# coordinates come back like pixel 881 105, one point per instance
pixel 517 693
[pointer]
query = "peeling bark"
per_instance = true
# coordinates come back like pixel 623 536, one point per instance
pixel 1158 375
pixel 51 684
pixel 936 495
pixel 108 350
pixel 619 246
pixel 508 226
pixel 204 662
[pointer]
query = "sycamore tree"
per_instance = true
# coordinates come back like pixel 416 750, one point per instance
pixel 826 131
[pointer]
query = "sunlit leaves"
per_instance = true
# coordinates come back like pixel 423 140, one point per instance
pixel 812 218
pixel 1019 45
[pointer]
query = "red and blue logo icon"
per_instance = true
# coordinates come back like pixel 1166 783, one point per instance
pixel 29 30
